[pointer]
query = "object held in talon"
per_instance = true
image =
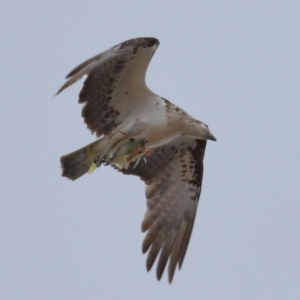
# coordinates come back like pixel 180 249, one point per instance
pixel 147 152
pixel 128 152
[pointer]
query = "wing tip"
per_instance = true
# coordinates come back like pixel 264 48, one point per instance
pixel 152 41
pixel 146 42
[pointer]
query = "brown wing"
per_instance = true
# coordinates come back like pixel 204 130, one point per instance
pixel 173 176
pixel 115 85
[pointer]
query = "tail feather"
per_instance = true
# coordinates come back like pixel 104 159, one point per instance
pixel 77 163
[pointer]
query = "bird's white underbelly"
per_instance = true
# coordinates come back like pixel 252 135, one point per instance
pixel 156 135
pixel 155 128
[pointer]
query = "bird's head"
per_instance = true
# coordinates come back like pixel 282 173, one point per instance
pixel 200 130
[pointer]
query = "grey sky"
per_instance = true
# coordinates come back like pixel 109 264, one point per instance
pixel 232 64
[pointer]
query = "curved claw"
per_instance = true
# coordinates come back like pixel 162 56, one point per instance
pixel 105 163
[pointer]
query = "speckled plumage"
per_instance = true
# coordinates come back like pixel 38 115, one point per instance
pixel 118 105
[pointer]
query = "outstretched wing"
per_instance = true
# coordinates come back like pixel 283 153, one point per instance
pixel 173 177
pixel 115 86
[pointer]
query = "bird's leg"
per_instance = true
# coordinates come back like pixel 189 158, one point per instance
pixel 123 133
pixel 115 140
pixel 121 145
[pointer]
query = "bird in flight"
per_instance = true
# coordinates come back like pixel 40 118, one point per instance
pixel 140 133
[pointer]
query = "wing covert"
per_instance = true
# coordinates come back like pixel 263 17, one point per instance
pixel 115 84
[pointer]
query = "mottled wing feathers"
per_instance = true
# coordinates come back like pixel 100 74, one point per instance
pixel 173 177
pixel 115 84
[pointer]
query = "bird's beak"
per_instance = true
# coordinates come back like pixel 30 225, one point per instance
pixel 211 137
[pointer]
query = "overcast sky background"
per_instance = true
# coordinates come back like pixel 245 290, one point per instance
pixel 232 64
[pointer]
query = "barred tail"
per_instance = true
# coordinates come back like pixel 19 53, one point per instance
pixel 77 163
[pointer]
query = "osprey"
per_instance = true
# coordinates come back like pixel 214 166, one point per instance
pixel 131 123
